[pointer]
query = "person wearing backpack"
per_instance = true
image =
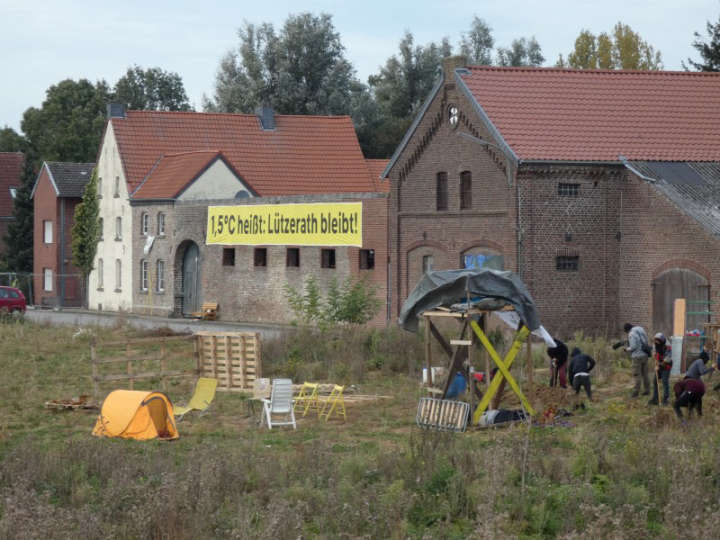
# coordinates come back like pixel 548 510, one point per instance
pixel 640 351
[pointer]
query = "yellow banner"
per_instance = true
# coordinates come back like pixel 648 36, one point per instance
pixel 315 224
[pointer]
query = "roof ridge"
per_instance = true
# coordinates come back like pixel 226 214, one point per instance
pixel 551 69
pixel 176 154
pixel 248 115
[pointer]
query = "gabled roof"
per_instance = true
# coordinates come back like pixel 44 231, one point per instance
pixel 302 155
pixel 173 173
pixel 11 164
pixel 595 115
pixel 67 179
pixel 693 187
pixel 376 168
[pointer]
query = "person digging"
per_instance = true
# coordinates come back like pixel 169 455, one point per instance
pixel 663 365
pixel 581 365
pixel 688 393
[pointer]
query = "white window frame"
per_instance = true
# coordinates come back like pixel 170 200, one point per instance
pixel 48 232
pixel 118 275
pixel 144 223
pixel 144 275
pixel 161 224
pixel 160 269
pixel 47 279
pixel 118 228
pixel 100 271
pixel 117 186
pixel 101 224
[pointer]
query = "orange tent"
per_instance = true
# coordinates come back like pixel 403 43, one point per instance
pixel 133 414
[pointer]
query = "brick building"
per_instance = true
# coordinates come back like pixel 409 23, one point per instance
pixel 599 187
pixel 161 171
pixel 57 191
pixel 11 165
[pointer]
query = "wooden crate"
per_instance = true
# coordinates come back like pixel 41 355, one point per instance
pixel 233 358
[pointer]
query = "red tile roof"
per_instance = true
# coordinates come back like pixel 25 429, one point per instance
pixel 376 168
pixel 302 155
pixel 11 164
pixel 594 115
pixel 172 173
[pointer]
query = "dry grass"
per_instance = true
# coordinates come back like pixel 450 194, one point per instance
pixel 622 470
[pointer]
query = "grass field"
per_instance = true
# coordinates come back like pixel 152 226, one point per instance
pixel 620 470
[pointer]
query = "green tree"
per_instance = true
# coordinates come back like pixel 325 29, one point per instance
pixel 477 44
pixel 300 70
pixel 11 140
pixel 18 255
pixel 522 52
pixel 623 48
pixel 86 231
pixel 151 89
pixel 709 51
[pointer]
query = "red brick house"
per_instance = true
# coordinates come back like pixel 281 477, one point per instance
pixel 57 191
pixel 159 174
pixel 601 188
pixel 11 164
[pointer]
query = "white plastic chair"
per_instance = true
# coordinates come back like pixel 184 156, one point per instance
pixel 280 403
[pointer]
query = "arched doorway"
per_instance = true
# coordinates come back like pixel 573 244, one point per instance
pixel 187 283
pixel 680 283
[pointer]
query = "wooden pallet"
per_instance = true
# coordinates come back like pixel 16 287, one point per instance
pixel 233 358
pixel 442 414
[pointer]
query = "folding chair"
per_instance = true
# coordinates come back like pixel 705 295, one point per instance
pixel 308 398
pixel 280 402
pixel 334 403
pixel 201 399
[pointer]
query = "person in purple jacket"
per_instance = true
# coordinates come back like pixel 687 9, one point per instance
pixel 688 393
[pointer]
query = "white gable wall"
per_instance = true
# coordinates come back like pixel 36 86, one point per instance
pixel 217 182
pixel 109 248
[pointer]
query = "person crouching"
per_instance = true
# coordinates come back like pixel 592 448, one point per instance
pixel 581 365
pixel 688 393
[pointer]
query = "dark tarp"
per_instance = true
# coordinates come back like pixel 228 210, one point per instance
pixel 488 289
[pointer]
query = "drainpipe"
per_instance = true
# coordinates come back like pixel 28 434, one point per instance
pixel 61 266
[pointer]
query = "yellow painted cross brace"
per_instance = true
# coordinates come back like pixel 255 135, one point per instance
pixel 504 368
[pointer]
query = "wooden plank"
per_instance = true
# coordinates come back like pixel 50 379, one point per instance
pixel 461 342
pixel 441 339
pixel 136 341
pixel 679 317
pixel 228 363
pixel 428 352
pixel 144 375
pixel 456 362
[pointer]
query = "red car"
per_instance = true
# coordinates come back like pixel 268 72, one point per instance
pixel 11 299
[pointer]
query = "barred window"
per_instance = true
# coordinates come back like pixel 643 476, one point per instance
pixel 566 263
pixel 568 190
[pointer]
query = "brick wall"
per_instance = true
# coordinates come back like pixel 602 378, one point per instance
pixel 416 228
pixel 45 205
pixel 245 292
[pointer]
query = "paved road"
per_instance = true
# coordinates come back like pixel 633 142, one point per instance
pixel 94 318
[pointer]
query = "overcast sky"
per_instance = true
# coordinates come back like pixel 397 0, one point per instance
pixel 44 42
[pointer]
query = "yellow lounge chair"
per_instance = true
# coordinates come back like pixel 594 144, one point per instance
pixel 201 399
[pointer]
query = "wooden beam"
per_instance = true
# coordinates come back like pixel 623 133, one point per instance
pixel 441 339
pixel 456 362
pixel 428 352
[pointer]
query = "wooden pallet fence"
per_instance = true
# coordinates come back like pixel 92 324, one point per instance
pixel 141 352
pixel 233 358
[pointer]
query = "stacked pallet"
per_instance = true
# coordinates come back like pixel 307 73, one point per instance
pixel 233 358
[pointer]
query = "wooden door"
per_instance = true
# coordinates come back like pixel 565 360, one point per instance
pixel 680 283
pixel 190 276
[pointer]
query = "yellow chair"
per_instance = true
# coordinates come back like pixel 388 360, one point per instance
pixel 308 398
pixel 201 399
pixel 334 403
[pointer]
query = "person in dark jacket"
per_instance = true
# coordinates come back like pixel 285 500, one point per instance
pixel 663 365
pixel 581 365
pixel 698 368
pixel 688 393
pixel 558 363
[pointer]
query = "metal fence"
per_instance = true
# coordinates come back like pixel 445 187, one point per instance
pixel 58 290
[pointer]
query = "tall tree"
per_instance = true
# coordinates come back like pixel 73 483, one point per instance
pixel 11 140
pixel 300 70
pixel 522 52
pixel 709 51
pixel 68 126
pixel 623 48
pixel 18 256
pixel 151 89
pixel 86 231
pixel 477 44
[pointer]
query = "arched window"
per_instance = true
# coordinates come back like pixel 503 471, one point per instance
pixel 161 224
pixel 118 228
pixel 143 275
pixel 144 223
pixel 118 275
pixel 465 190
pixel 160 280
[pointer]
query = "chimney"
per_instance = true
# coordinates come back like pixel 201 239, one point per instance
pixel 266 116
pixel 450 64
pixel 115 110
